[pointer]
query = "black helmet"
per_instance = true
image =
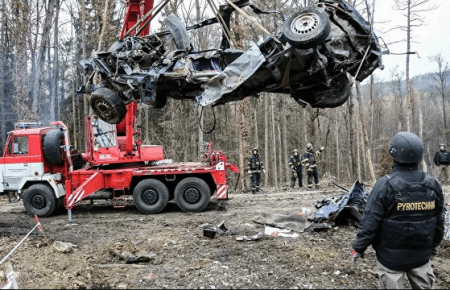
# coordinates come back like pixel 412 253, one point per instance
pixel 406 147
pixel 295 150
pixel 442 144
pixel 253 150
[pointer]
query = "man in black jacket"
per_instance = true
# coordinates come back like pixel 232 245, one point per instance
pixel 310 161
pixel 403 219
pixel 442 160
pixel 254 166
pixel 295 162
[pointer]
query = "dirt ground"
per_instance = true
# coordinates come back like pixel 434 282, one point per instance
pixel 180 257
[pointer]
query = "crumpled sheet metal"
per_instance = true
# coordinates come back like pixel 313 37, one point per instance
pixel 178 30
pixel 294 222
pixel 276 232
pixel 232 77
pixel 343 207
pixel 256 237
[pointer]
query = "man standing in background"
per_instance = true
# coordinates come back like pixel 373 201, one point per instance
pixel 254 166
pixel 442 160
pixel 310 161
pixel 295 162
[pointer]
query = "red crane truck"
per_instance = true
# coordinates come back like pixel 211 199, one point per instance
pixel 39 166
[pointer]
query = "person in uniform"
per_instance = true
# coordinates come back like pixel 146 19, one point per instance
pixel 254 166
pixel 310 162
pixel 403 219
pixel 442 160
pixel 295 162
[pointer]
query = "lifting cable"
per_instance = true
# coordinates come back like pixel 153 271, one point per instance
pixel 200 122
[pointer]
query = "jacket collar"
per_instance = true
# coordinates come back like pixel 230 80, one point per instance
pixel 404 167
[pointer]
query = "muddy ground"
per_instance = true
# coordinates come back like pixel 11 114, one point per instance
pixel 180 257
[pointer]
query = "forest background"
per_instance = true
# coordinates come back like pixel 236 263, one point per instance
pixel 42 42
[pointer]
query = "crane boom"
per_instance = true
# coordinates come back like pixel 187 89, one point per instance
pixel 135 10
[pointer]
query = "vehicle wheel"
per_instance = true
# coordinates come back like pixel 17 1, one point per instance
pixel 52 146
pixel 39 200
pixel 333 97
pixel 150 196
pixel 108 105
pixel 307 27
pixel 192 194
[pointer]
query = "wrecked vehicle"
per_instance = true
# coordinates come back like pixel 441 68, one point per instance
pixel 310 60
pixel 343 209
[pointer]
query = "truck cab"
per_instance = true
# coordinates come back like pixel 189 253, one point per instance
pixel 26 172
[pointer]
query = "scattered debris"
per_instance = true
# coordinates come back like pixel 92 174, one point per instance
pixel 11 282
pixel 276 232
pixel 139 258
pixel 342 209
pixel 63 247
pixel 319 227
pixel 250 238
pixel 219 228
pixel 294 222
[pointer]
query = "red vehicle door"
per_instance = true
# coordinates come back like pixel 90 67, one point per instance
pixel 16 162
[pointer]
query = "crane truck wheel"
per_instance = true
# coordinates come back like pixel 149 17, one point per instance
pixel 39 200
pixel 150 196
pixel 192 194
pixel 108 106
pixel 52 146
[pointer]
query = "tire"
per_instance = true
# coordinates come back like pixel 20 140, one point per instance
pixel 192 194
pixel 40 200
pixel 150 196
pixel 52 147
pixel 333 97
pixel 307 27
pixel 108 106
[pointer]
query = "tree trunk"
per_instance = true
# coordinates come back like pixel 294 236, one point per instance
pixel 364 132
pixel 256 126
pixel 408 84
pixel 352 132
pixel 284 139
pixel 358 150
pixel 55 78
pixel 146 125
pixel 200 40
pixel 2 78
pixel 45 42
pixel 84 53
pixel 419 104
pixel 266 138
pixel 280 156
pixel 337 146
pixel 275 174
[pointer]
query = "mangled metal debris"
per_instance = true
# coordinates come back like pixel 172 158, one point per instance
pixel 277 232
pixel 256 237
pixel 10 276
pixel 344 209
pixel 310 60
pixel 210 232
pixel 294 222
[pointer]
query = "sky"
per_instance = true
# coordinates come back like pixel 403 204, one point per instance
pixel 432 38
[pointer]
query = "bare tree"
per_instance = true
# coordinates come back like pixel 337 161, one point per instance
pixel 365 137
pixel 441 80
pixel 412 10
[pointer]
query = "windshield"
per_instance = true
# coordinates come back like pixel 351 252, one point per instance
pixel 104 134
